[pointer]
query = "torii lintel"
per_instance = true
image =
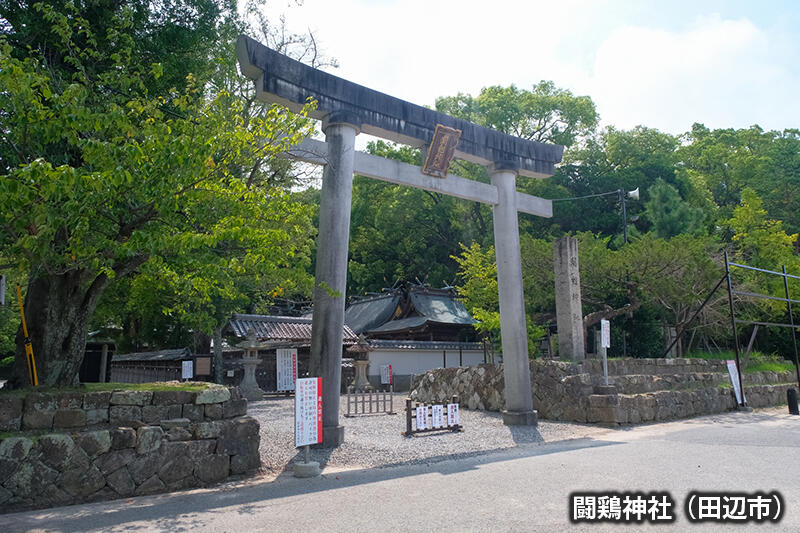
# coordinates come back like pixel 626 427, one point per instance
pixel 283 80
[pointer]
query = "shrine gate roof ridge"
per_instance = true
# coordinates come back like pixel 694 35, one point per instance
pixel 289 82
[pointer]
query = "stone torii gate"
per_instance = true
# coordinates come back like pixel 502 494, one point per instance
pixel 346 109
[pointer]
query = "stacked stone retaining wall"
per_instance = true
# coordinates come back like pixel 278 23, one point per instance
pixel 72 447
pixel 644 389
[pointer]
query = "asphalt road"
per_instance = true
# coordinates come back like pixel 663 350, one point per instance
pixel 523 489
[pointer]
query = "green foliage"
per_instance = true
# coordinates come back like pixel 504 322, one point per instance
pixel 668 213
pixel 402 233
pixel 545 114
pixel 755 362
pixel 478 274
pixel 760 241
pixel 110 179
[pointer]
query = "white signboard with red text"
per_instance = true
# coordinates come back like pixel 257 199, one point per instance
pixel 386 375
pixel 422 417
pixel 452 414
pixel 286 368
pixel 308 412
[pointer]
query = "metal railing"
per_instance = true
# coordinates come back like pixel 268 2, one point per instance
pixel 734 321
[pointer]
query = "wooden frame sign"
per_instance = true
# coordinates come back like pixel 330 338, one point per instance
pixel 202 366
pixel 441 151
pixel 187 370
pixel 286 368
pixel 308 412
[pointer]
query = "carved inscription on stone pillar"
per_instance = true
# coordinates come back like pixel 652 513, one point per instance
pixel 569 315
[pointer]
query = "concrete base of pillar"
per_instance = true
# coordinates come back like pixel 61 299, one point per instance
pixel 605 389
pixel 309 469
pixel 520 418
pixel 253 394
pixel 332 436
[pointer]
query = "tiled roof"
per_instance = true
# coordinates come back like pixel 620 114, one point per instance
pixel 369 313
pixel 277 328
pixel 161 355
pixel 401 324
pixel 440 306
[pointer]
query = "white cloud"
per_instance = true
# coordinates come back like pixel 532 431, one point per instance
pixel 723 73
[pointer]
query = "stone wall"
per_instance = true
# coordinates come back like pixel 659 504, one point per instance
pixel 643 389
pixel 71 447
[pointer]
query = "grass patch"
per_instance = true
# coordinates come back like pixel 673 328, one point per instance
pixel 755 362
pixel 723 356
pixel 188 386
pixel 769 366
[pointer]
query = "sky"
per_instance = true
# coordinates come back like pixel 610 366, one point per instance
pixel 662 64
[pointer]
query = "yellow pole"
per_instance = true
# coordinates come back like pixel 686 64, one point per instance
pixel 28 346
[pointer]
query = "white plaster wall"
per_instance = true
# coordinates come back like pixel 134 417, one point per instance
pixel 407 362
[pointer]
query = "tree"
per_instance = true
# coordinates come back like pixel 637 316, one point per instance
pixel 544 114
pixel 403 233
pixel 669 214
pixel 107 176
pixel 478 287
pixel 163 307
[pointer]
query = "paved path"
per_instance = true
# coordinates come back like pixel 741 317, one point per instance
pixel 523 489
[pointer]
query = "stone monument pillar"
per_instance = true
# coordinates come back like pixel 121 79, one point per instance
pixel 249 386
pixel 330 279
pixel 569 314
pixel 513 330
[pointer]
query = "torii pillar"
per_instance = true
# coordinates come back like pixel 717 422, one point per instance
pixel 513 328
pixel 330 280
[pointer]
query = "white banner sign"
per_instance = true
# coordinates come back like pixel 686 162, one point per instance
pixel 452 414
pixel 286 368
pixel 422 417
pixel 735 380
pixel 187 369
pixel 437 416
pixel 308 412
pixel 605 333
pixel 386 375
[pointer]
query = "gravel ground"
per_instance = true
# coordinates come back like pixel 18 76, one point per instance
pixel 377 440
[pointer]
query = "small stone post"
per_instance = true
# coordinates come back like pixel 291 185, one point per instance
pixel 569 314
pixel 103 363
pixel 249 386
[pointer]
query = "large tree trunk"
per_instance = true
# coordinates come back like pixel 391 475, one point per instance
pixel 57 311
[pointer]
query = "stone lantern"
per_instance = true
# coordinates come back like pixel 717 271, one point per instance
pixel 360 352
pixel 249 386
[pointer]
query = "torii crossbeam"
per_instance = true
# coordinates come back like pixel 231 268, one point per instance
pixel 345 109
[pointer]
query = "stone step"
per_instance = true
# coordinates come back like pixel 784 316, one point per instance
pixel 640 383
pixel 653 366
pixel 668 405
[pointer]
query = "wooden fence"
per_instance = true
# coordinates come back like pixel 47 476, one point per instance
pixel 371 402
pixel 145 372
